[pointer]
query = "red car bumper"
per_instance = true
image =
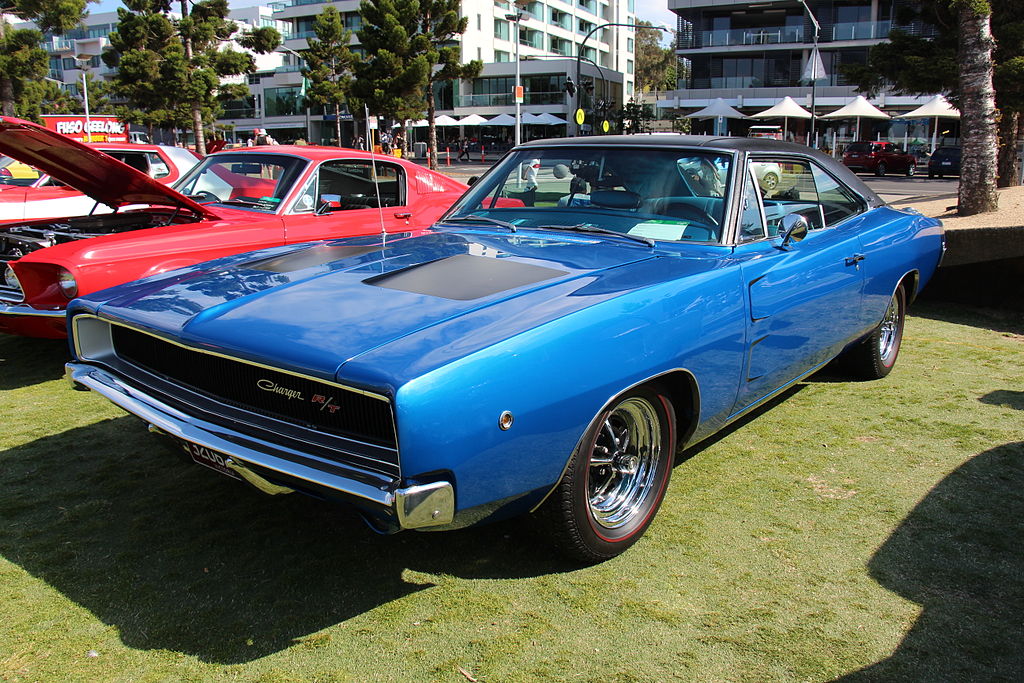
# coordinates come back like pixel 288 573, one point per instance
pixel 26 321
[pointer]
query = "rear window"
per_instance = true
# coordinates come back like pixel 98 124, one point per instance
pixel 859 148
pixel 948 152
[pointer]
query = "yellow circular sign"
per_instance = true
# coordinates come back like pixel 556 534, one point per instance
pixel 605 126
pixel 580 117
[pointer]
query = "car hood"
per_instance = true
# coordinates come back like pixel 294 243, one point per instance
pixel 315 308
pixel 90 171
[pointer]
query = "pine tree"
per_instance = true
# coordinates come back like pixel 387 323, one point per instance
pixel 206 36
pixel 410 47
pixel 21 58
pixel 329 63
pixel 149 62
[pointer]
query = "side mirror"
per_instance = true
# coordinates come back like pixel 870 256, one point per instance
pixel 328 202
pixel 794 228
pixel 472 179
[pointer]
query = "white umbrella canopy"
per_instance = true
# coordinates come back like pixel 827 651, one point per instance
pixel 786 109
pixel 859 109
pixel 472 120
pixel 716 109
pixel 445 120
pixel 936 107
pixel 531 118
pixel 502 120
pixel 550 120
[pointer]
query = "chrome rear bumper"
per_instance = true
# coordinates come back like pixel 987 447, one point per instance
pixel 24 309
pixel 412 507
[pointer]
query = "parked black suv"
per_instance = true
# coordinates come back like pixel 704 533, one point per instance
pixel 944 161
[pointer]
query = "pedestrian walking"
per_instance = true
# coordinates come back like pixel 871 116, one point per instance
pixel 463 149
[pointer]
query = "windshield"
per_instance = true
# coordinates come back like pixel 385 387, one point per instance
pixel 259 182
pixel 660 194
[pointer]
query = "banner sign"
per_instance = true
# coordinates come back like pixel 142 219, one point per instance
pixel 101 128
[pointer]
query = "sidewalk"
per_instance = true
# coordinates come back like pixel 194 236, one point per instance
pixel 461 170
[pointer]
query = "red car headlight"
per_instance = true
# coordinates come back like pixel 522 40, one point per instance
pixel 67 283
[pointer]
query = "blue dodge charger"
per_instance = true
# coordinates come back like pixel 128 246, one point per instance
pixel 589 307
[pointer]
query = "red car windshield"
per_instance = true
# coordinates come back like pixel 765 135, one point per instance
pixel 259 182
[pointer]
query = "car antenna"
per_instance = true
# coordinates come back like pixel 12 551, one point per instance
pixel 376 181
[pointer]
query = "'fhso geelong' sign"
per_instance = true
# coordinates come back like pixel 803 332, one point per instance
pixel 99 128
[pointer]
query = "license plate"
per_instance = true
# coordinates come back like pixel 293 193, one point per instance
pixel 947 163
pixel 208 457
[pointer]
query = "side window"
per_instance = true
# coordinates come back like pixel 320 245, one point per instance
pixel 157 167
pixel 787 186
pixel 837 201
pixel 350 184
pixel 752 225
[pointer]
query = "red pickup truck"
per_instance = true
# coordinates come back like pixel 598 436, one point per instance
pixel 879 158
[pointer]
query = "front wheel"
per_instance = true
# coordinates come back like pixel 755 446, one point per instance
pixel 911 171
pixel 616 478
pixel 875 357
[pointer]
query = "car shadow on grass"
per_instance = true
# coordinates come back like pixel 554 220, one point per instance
pixel 998 319
pixel 179 558
pixel 25 361
pixel 957 554
pixel 1004 397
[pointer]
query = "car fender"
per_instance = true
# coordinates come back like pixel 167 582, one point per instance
pixel 555 378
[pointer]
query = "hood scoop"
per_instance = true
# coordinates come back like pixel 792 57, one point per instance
pixel 464 277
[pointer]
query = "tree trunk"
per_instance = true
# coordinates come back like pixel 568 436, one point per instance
pixel 978 112
pixel 197 113
pixel 1009 129
pixel 337 123
pixel 432 130
pixel 6 85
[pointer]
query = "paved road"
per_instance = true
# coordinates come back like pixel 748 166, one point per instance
pixel 892 188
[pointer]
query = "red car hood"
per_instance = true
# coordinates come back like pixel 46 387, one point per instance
pixel 101 177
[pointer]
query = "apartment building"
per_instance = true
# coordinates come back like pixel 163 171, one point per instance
pixel 752 54
pixel 550 33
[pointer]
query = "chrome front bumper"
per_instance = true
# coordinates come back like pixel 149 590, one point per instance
pixel 24 309
pixel 413 507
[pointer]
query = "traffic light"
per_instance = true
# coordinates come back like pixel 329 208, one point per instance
pixel 570 87
pixel 588 85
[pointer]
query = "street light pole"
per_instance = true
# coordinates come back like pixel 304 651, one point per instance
pixel 516 18
pixel 305 101
pixel 814 72
pixel 580 50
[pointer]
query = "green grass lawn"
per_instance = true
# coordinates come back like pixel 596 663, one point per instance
pixel 868 530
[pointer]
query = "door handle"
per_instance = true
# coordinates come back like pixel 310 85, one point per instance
pixel 406 215
pixel 855 260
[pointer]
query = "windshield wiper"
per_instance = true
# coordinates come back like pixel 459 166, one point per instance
pixel 473 218
pixel 239 201
pixel 583 227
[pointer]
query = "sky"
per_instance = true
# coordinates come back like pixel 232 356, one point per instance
pixel 654 11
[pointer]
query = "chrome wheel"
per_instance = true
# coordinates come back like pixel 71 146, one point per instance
pixel 624 463
pixel 770 181
pixel 889 333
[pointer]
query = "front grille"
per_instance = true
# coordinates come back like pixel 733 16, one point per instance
pixel 297 400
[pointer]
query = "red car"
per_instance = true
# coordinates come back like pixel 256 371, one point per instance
pixel 240 200
pixel 36 194
pixel 879 158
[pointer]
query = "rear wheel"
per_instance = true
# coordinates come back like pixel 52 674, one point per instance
pixel 880 169
pixel 911 170
pixel 875 357
pixel 616 479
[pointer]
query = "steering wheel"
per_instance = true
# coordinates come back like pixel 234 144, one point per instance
pixel 687 211
pixel 204 196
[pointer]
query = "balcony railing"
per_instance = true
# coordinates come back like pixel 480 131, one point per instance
pixel 861 30
pixel 506 99
pixel 760 36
